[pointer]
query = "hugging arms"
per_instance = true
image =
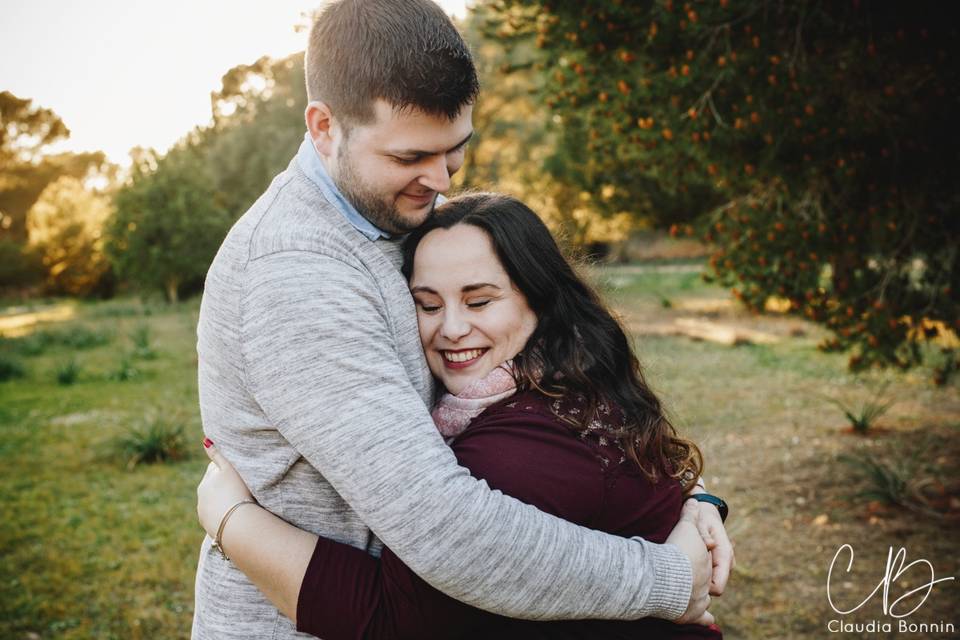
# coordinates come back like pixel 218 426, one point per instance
pixel 471 303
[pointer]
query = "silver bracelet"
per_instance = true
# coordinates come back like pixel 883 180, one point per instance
pixel 218 542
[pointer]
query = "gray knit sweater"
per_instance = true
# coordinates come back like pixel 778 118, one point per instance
pixel 313 383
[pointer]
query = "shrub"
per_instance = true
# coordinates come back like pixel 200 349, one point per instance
pixel 76 337
pixel 890 483
pixel 32 345
pixel 125 370
pixel 10 368
pixel 68 372
pixel 81 337
pixel 864 416
pixel 141 339
pixel 157 440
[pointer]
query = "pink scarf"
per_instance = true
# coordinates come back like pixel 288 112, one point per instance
pixel 453 413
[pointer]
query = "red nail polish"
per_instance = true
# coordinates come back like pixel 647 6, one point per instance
pixel 207 443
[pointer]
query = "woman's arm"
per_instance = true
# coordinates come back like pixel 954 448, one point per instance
pixel 345 593
pixel 271 552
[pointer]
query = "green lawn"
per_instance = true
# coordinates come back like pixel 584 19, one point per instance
pixel 93 548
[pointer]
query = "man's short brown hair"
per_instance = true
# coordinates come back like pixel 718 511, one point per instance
pixel 406 52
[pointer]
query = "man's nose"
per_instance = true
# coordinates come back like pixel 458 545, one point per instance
pixel 436 175
pixel 455 326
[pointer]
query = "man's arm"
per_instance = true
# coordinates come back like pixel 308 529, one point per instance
pixel 320 361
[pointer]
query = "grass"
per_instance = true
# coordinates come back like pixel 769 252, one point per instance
pixel 863 416
pixel 10 367
pixel 141 337
pixel 76 337
pixel 125 369
pixel 158 439
pixel 94 549
pixel 68 371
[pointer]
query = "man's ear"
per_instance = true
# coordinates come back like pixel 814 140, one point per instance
pixel 320 124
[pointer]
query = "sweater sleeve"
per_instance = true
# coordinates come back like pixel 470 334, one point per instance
pixel 348 594
pixel 320 361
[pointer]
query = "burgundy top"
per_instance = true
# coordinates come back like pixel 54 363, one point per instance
pixel 522 448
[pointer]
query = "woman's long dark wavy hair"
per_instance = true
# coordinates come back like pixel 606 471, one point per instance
pixel 577 346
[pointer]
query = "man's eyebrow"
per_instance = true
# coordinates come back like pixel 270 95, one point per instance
pixel 423 153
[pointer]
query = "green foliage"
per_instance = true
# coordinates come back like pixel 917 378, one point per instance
pixel 141 338
pixel 77 337
pixel 864 415
pixel 885 482
pixel 81 337
pixel 26 128
pixel 156 440
pixel 65 226
pixel 172 215
pixel 946 366
pixel 20 265
pixel 68 371
pixel 513 143
pixel 806 141
pixel 897 483
pixel 168 222
pixel 125 370
pixel 258 126
pixel 10 367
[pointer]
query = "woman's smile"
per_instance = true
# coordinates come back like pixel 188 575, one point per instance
pixel 472 319
pixel 461 359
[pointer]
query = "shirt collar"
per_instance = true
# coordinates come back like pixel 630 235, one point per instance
pixel 310 163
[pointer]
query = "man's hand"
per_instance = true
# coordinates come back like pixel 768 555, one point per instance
pixel 718 543
pixel 686 535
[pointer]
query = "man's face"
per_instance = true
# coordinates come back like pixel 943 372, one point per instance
pixel 392 169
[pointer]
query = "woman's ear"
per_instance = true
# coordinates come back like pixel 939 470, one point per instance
pixel 321 125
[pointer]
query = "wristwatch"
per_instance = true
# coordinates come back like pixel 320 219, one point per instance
pixel 715 501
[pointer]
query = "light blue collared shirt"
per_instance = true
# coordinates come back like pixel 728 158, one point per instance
pixel 309 161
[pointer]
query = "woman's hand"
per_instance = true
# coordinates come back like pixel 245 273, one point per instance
pixel 221 488
pixel 686 536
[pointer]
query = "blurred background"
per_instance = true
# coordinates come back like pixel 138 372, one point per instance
pixel 766 192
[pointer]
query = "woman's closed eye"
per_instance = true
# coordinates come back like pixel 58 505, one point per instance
pixel 428 307
pixel 477 304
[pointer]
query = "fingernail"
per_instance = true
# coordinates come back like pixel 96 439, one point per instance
pixel 207 443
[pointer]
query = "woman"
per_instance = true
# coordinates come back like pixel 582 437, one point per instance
pixel 544 400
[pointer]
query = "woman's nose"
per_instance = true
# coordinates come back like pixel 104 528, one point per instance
pixel 455 326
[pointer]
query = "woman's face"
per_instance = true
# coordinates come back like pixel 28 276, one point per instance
pixel 471 316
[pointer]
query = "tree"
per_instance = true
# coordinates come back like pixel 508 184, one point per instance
pixel 25 171
pixel 65 227
pixel 806 141
pixel 258 126
pixel 169 221
pixel 25 129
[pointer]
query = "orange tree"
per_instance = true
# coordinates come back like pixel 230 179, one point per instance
pixel 808 142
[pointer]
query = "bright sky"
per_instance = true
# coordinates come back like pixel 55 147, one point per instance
pixel 126 73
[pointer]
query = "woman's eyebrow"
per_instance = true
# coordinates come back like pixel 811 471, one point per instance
pixel 479 285
pixel 422 289
pixel 466 288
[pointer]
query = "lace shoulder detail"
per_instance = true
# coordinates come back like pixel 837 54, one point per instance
pixel 604 431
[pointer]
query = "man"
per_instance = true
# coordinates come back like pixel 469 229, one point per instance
pixel 312 378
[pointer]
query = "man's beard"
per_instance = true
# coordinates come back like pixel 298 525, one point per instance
pixel 371 204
